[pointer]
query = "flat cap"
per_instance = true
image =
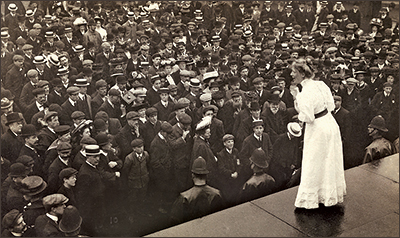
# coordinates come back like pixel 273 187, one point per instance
pixel 49 115
pixel 185 119
pixel 54 200
pixel 66 173
pixel 62 129
pixel 72 90
pixel 10 219
pixel 114 92
pixel 151 111
pixel 228 137
pixel 166 127
pixel 137 142
pixel 63 146
pixel 132 115
pixel 78 115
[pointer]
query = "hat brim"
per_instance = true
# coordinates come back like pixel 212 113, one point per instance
pixel 9 122
pixel 378 128
pixel 200 171
pixel 8 106
pixel 264 166
pixel 43 186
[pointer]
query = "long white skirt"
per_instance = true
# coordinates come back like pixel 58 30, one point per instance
pixel 322 171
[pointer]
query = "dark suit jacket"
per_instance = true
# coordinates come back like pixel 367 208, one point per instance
pixel 45 227
pixel 160 164
pixel 152 97
pixel 123 139
pixel 90 190
pixel 54 183
pixel 38 160
pixel 203 149
pixel 46 137
pixel 55 98
pixel 96 102
pixel 113 112
pixel 163 112
pixel 27 96
pixel 67 110
pixel 249 145
pixel 31 110
pixel 10 146
pixel 149 131
pixel 14 80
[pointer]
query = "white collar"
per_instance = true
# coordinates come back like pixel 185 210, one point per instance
pixel 64 161
pixel 91 164
pixel 52 217
pixel 72 102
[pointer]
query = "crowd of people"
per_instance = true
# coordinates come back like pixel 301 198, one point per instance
pixel 178 108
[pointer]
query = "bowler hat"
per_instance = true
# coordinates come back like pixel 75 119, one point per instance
pixel 71 220
pixel 200 166
pixel 33 185
pixel 254 106
pixel 378 122
pixel 259 158
pixel 28 130
pixel 99 124
pixel 17 170
pixel 13 117
pixel 102 139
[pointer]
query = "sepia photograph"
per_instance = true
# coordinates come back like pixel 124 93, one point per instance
pixel 199 118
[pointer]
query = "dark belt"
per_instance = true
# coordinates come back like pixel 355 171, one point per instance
pixel 321 114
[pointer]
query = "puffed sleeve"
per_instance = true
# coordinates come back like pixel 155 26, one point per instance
pixel 305 107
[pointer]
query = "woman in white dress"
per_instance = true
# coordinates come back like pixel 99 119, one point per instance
pixel 322 171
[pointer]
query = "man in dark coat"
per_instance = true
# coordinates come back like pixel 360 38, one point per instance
pixel 229 167
pixel 38 104
pixel 261 183
pixel 60 163
pixel 286 156
pixel 259 139
pixel 90 189
pixel 10 141
pixel 182 144
pixel 14 197
pixel 15 77
pixel 128 133
pixel 27 96
pixel 100 97
pixel 161 174
pixel 164 106
pixel 151 127
pixel 28 133
pixel 69 106
pixel 112 105
pixel 200 200
pixel 47 135
pixel 46 225
pixel 33 190
pixel 275 118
